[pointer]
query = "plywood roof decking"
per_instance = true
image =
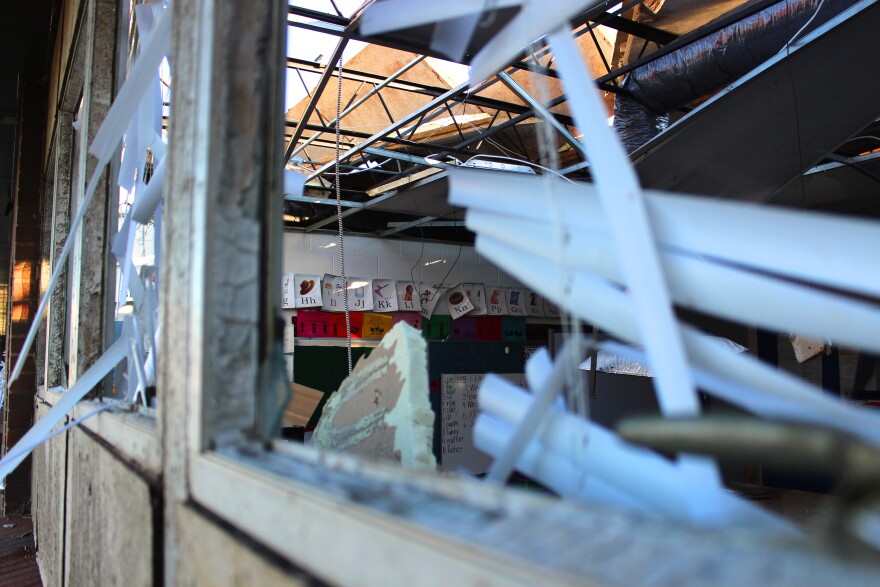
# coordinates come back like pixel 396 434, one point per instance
pixel 377 113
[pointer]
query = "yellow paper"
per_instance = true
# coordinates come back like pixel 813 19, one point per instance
pixel 376 325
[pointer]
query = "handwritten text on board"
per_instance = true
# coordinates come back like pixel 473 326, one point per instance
pixel 458 412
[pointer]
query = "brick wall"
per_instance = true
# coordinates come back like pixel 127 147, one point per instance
pixel 18 410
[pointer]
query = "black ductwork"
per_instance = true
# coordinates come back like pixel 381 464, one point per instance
pixel 709 64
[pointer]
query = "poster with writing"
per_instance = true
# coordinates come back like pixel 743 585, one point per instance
pixel 287 292
pixel 331 293
pixel 534 304
pixel 304 291
pixel 360 294
pixel 375 325
pixel 458 412
pixel 497 302
pixel 516 302
pixel 550 309
pixel 384 295
pixel 458 302
pixel 476 293
pixel 408 296
pixel 428 298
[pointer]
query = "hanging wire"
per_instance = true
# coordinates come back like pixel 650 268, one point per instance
pixel 422 228
pixel 805 25
pixel 339 217
pixel 575 391
pixel 797 119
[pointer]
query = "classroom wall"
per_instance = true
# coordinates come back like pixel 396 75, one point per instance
pixel 405 260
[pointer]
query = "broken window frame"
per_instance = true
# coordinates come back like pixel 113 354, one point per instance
pixel 293 499
pixel 133 431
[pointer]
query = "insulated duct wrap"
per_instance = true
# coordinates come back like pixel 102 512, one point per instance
pixel 711 63
pixel 636 123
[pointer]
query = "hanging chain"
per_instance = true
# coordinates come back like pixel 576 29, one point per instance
pixel 339 217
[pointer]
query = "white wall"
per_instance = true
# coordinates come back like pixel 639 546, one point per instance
pixel 367 256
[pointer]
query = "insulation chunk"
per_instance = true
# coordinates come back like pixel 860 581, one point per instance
pixel 805 347
pixel 382 409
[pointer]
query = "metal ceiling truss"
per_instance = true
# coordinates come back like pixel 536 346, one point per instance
pixel 384 145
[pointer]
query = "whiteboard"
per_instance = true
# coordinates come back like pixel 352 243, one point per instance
pixel 458 411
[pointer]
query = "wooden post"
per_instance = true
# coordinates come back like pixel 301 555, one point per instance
pixel 90 254
pixel 59 218
pixel 219 268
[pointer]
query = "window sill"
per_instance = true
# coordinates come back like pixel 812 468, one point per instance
pixel 355 522
pixel 132 432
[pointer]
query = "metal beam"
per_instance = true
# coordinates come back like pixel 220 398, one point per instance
pixel 324 143
pixel 545 114
pixel 406 157
pixel 322 201
pixel 575 167
pixel 407 225
pixel 438 101
pixel 341 26
pixel 507 124
pixel 640 30
pixel 366 76
pixel 435 224
pixel 319 27
pixel 391 140
pixel 375 201
pixel 316 95
pixel 362 99
pixel 441 98
pixel 353 210
pixel 416 87
pixel 318 15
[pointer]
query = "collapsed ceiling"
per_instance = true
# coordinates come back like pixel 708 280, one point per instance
pixel 772 136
